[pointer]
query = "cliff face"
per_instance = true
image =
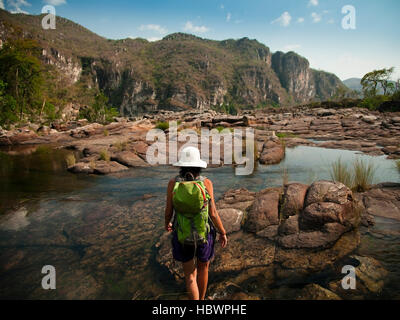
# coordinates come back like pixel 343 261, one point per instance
pixel 181 71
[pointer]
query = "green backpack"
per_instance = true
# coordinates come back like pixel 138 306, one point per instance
pixel 190 200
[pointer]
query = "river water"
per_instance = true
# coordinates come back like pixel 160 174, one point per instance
pixel 100 232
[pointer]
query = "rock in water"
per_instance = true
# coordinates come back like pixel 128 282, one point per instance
pixel 264 211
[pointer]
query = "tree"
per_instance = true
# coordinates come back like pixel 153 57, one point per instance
pixel 20 68
pixel 7 107
pixel 371 80
pixel 99 111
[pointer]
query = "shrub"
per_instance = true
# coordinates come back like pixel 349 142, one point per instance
pixel 373 103
pixel 162 125
pixel 398 165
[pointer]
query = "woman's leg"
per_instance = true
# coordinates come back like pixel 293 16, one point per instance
pixel 189 268
pixel 202 278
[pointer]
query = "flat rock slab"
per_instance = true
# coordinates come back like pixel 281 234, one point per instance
pixel 383 201
pixel 129 159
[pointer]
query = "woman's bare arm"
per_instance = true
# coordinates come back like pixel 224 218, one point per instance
pixel 214 213
pixel 169 207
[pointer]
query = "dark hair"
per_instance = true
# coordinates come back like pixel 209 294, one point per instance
pixel 189 173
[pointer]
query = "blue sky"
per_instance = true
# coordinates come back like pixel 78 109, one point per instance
pixel 312 28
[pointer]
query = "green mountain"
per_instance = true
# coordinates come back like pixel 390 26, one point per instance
pixel 179 71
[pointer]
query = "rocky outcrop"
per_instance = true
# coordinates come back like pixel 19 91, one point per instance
pixel 279 246
pixel 180 71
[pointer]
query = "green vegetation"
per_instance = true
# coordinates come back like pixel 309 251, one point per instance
pixel 391 91
pixel 105 156
pixel 121 145
pixel 100 111
pixel 282 135
pixel 358 178
pixel 398 165
pixel 340 172
pixel 364 173
pixel 162 125
pixel 70 160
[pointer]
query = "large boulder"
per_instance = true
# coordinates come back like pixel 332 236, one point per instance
pixel 240 199
pixel 328 191
pixel 231 219
pixel 317 214
pixel 293 199
pixel 264 211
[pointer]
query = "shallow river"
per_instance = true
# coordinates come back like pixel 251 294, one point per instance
pixel 99 232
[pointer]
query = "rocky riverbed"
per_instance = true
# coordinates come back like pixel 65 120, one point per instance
pixel 122 144
pixel 293 242
pixel 287 242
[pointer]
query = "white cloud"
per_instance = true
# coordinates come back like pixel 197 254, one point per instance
pixel 284 19
pixel 153 27
pixel 291 47
pixel 222 7
pixel 1 4
pixel 331 21
pixel 313 3
pixel 316 17
pixel 228 17
pixel 300 20
pixel 190 27
pixel 17 4
pixel 55 2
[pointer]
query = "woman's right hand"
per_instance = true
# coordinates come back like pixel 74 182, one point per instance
pixel 223 240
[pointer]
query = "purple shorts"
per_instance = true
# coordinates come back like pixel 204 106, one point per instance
pixel 204 252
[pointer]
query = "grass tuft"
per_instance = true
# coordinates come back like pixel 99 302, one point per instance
pixel 359 178
pixel 105 156
pixel 70 160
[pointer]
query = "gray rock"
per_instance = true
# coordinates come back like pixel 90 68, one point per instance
pixel 231 219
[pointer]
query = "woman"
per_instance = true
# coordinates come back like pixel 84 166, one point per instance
pixel 196 274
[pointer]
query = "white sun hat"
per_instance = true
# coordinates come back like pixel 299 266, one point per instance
pixel 190 157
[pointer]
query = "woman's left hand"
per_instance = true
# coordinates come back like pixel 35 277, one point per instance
pixel 168 227
pixel 223 240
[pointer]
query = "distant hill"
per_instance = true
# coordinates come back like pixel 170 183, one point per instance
pixel 178 72
pixel 353 84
